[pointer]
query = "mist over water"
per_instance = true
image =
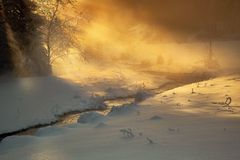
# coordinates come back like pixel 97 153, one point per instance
pixel 123 39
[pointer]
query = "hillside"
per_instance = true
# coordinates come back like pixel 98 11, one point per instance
pixel 178 124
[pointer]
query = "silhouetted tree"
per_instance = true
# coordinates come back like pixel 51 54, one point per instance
pixel 56 33
pixel 20 26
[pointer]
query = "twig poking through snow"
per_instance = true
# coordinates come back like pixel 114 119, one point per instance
pixel 127 132
pixel 150 141
pixel 179 105
pixel 193 91
pixel 228 102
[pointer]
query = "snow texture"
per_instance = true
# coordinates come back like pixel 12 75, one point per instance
pixel 31 101
pixel 196 126
pixel 91 117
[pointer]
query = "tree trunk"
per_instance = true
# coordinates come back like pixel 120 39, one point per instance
pixel 6 64
pixel 22 48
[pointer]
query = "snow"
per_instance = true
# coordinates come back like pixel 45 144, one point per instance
pixel 121 110
pixel 206 97
pixel 30 101
pixel 91 117
pixel 185 123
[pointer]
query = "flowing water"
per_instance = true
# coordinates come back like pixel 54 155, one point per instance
pixel 72 117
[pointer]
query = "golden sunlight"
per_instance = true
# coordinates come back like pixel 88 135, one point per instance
pixel 113 37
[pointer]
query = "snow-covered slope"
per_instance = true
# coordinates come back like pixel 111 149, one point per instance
pixel 26 102
pixel 180 124
pixel 206 97
pixel 31 101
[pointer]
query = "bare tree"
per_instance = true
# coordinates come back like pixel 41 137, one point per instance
pixel 56 32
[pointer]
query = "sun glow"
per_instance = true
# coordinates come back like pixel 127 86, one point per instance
pixel 113 38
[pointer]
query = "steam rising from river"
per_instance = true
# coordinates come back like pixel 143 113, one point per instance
pixel 118 42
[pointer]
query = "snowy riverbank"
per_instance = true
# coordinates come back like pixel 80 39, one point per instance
pixel 189 122
pixel 27 102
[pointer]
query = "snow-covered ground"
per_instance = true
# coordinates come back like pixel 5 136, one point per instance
pixel 31 101
pixel 26 102
pixel 187 123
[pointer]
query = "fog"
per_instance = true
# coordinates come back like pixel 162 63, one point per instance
pixel 153 35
